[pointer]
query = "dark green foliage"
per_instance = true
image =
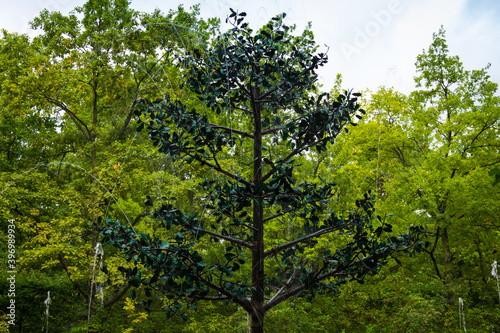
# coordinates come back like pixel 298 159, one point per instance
pixel 31 292
pixel 267 81
pixel 496 173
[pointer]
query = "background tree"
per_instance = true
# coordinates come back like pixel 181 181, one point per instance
pixel 457 117
pixel 69 150
pixel 428 157
pixel 261 88
pixel 447 141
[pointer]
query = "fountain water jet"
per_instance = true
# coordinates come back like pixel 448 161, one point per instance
pixel 47 303
pixel 494 272
pixel 99 251
pixel 461 314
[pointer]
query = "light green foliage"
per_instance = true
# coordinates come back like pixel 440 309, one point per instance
pixel 70 152
pixel 68 143
pixel 451 143
pixel 428 157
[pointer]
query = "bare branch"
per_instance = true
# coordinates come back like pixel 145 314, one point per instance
pixel 118 295
pixel 228 238
pixel 78 122
pixel 78 287
pixel 232 130
pixel 281 247
pixel 215 167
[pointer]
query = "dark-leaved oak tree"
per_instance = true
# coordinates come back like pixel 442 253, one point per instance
pixel 265 84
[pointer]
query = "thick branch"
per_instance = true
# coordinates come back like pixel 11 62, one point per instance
pixel 117 296
pixel 431 254
pixel 318 278
pixel 130 113
pixel 243 303
pixel 78 287
pixel 400 155
pixel 144 213
pixel 292 292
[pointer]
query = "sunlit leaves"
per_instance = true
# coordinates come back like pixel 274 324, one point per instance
pixel 69 152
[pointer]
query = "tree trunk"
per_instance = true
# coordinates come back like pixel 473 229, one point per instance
pixel 431 253
pixel 484 275
pixel 257 321
pixel 447 254
pixel 258 223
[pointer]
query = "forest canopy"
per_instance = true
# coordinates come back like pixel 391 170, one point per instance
pixel 195 181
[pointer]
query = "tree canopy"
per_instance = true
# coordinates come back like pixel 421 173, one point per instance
pixel 68 141
pixel 226 180
pixel 266 83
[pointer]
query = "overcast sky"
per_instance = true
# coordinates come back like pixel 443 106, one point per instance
pixel 371 42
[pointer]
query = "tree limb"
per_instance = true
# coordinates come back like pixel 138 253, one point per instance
pixel 228 238
pixel 281 247
pixel 210 165
pixel 117 296
pixel 78 287
pixel 232 130
pixel 78 122
pixel 144 213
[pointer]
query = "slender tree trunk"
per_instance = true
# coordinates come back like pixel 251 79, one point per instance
pixel 481 261
pixel 447 254
pixel 257 315
pixel 431 253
